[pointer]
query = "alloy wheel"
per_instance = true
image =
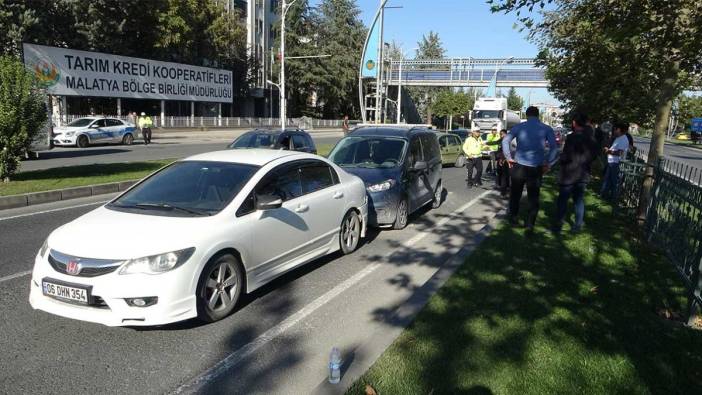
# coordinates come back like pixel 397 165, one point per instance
pixel 221 287
pixel 350 232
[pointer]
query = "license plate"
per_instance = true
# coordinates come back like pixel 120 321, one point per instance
pixel 64 292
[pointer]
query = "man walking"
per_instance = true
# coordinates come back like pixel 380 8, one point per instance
pixel 345 125
pixel 472 148
pixel 145 125
pixel 619 147
pixel 502 173
pixel 579 152
pixel 529 163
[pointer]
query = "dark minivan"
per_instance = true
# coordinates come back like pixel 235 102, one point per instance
pixel 401 168
pixel 290 139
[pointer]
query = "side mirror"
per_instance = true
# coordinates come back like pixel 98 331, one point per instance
pixel 268 202
pixel 420 165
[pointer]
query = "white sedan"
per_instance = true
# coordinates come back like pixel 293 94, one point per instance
pixel 188 240
pixel 94 130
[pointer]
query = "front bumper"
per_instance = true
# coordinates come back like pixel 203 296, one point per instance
pixel 176 301
pixel 62 140
pixel 382 207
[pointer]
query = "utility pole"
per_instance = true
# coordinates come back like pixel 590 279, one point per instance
pixel 283 98
pixel 399 92
pixel 379 78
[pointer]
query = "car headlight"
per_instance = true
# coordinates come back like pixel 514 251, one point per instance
pixel 69 134
pixel 381 186
pixel 156 264
pixel 44 247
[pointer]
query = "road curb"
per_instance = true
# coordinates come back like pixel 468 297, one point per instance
pixel 30 199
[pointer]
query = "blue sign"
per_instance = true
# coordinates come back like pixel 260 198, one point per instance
pixel 696 125
pixel 370 60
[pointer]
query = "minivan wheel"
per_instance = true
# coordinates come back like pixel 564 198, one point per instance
pixel 128 139
pixel 83 141
pixel 437 195
pixel 402 215
pixel 350 232
pixel 460 161
pixel 219 288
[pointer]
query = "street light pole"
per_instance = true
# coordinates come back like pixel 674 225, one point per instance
pixel 511 58
pixel 283 99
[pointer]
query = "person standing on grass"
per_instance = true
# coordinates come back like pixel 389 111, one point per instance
pixel 473 149
pixel 502 180
pixel 619 147
pixel 579 151
pixel 529 163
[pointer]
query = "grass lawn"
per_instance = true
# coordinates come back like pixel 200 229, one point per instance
pixel 543 314
pixel 75 176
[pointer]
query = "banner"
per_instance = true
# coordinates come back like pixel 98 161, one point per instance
pixel 370 61
pixel 696 125
pixel 69 72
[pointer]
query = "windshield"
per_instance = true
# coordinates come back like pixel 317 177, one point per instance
pixel 80 122
pixel 371 152
pixel 254 140
pixel 486 114
pixel 188 188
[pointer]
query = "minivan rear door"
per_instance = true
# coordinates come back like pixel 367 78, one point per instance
pixel 432 155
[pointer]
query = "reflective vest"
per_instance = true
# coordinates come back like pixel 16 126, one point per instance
pixel 473 147
pixel 145 122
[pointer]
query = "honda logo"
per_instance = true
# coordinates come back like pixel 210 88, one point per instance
pixel 73 268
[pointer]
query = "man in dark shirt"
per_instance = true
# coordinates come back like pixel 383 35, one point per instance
pixel 579 151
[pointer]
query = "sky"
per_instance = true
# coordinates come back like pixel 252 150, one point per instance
pixel 467 28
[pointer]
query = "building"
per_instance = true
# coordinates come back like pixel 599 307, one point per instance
pixel 261 17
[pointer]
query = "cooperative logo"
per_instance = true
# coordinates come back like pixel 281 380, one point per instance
pixel 46 72
pixel 370 65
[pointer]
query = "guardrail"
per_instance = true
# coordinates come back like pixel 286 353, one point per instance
pixel 227 122
pixel 673 217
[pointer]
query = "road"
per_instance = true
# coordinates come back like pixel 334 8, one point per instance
pixel 277 342
pixel 687 156
pixel 170 146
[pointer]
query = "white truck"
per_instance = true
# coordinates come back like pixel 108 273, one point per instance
pixel 492 112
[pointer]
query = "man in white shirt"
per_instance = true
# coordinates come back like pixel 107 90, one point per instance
pixel 615 152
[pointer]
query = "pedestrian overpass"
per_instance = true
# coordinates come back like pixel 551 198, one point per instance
pixel 466 72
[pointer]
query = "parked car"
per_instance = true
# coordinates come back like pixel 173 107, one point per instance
pixel 290 139
pixel 203 231
pixel 94 130
pixel 451 150
pixel 462 133
pixel 401 168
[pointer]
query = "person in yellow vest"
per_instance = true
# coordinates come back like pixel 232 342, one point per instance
pixel 473 149
pixel 492 143
pixel 145 124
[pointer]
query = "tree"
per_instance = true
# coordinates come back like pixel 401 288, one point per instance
pixel 623 58
pixel 429 47
pixel 514 101
pixel 22 113
pixel 342 35
pixel 449 104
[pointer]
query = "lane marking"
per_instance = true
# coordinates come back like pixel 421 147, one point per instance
pixel 247 350
pixel 53 210
pixel 13 276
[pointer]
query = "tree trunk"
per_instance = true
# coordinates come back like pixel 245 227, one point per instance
pixel 665 103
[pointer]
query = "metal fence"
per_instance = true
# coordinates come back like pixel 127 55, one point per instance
pixel 227 122
pixel 673 219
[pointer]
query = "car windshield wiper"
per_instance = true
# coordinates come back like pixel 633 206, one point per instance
pixel 165 206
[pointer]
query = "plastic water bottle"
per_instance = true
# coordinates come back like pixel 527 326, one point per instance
pixel 335 366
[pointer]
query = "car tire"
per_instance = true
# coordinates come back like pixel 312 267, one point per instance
pixel 218 294
pixel 438 194
pixel 460 161
pixel 402 215
pixel 350 232
pixel 82 141
pixel 128 139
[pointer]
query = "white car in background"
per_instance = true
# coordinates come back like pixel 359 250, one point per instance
pixel 94 130
pixel 201 232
